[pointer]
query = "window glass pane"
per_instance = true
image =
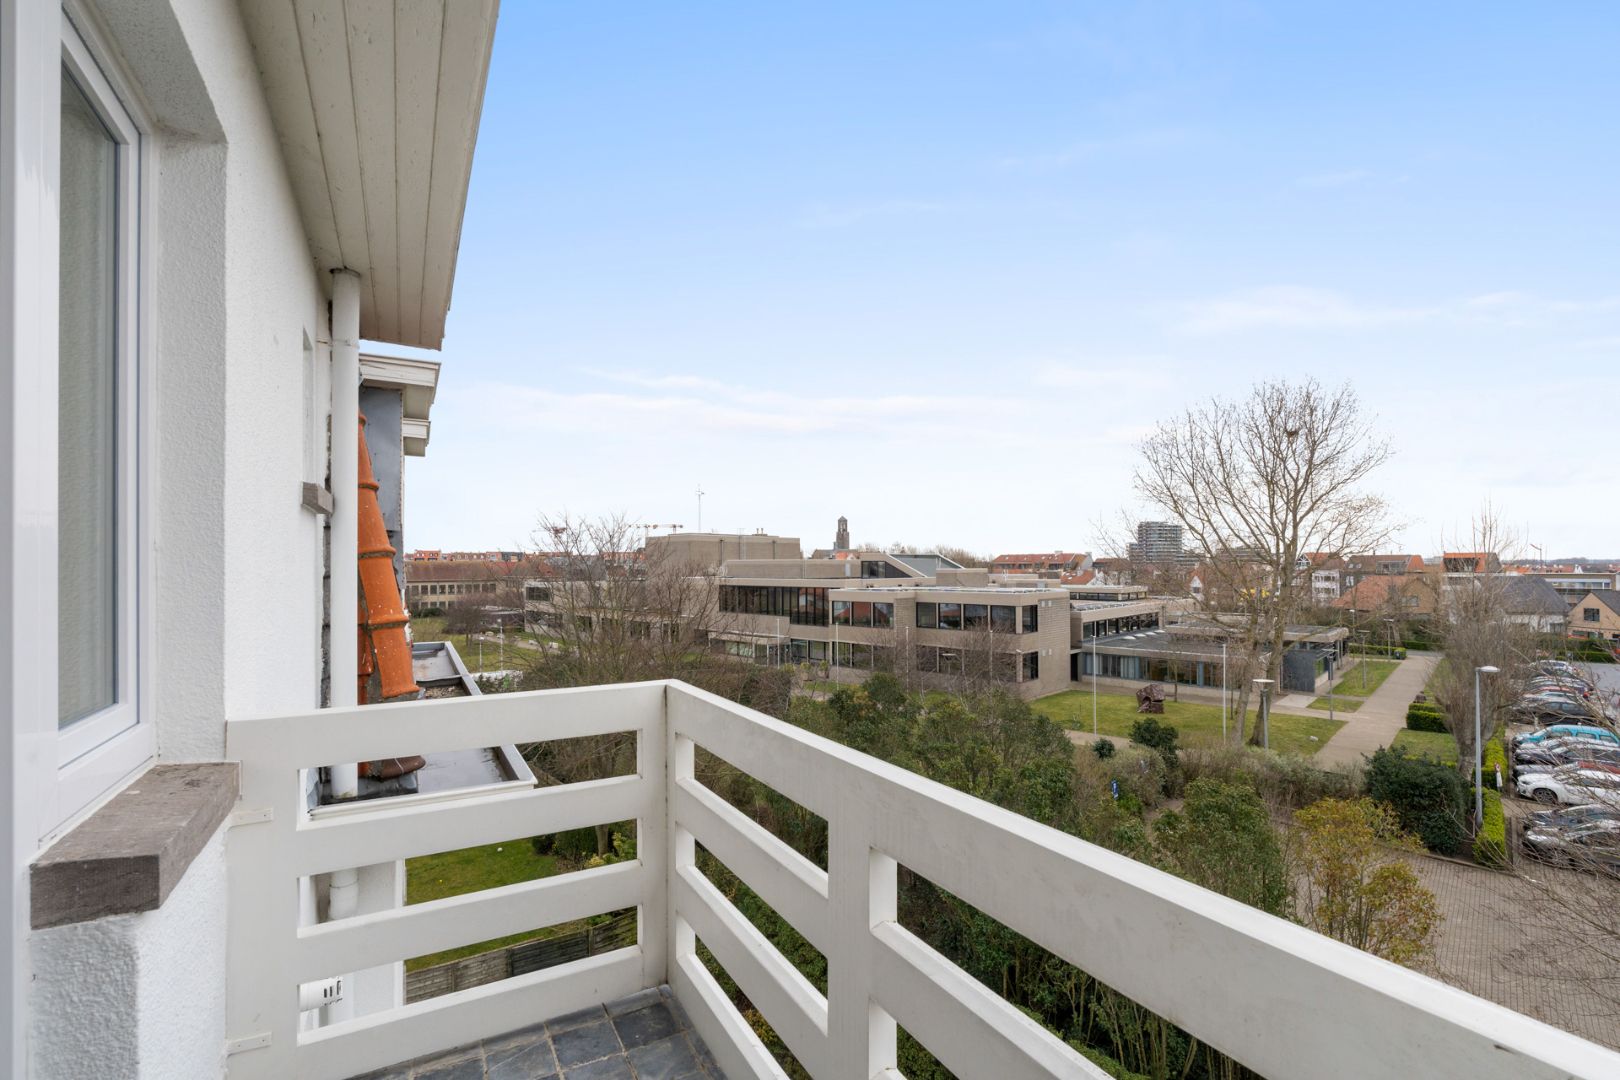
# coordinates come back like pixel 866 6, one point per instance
pixel 840 612
pixel 950 616
pixel 1002 619
pixel 861 613
pixel 882 613
pixel 87 519
pixel 927 616
pixel 975 616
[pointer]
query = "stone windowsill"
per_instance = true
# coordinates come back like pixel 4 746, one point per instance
pixel 129 855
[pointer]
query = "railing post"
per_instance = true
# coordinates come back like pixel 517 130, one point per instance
pixel 680 849
pixel 652 844
pixel 861 892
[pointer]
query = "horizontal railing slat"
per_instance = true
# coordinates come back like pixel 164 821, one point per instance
pixel 365 941
pixel 1247 983
pixel 968 1028
pixel 370 732
pixel 364 838
pixel 425 1027
pixel 793 1006
pixel 783 878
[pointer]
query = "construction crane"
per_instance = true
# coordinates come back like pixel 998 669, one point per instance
pixel 647 528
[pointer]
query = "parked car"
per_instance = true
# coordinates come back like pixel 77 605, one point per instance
pixel 1566 816
pixel 1557 667
pixel 1558 686
pixel 1558 731
pixel 1543 757
pixel 1544 710
pixel 1593 845
pixel 1572 785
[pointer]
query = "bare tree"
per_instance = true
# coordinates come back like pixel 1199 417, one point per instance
pixel 1256 483
pixel 617 612
pixel 1478 627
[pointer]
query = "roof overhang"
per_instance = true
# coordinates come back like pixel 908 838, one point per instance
pixel 377 106
pixel 417 382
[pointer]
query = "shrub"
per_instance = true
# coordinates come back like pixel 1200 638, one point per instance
pixel 1423 717
pixel 1427 799
pixel 1490 843
pixel 1281 779
pixel 1103 748
pixel 1149 732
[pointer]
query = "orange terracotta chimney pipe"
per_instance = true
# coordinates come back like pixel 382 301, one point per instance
pixel 385 618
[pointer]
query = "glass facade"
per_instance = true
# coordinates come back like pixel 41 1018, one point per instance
pixel 997 618
pixel 850 654
pixel 807 607
pixel 864 613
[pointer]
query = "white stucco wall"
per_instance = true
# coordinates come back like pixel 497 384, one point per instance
pixel 272 301
pixel 236 562
pixel 136 996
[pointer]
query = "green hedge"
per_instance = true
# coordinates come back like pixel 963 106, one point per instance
pixel 1590 651
pixel 1490 842
pixel 1495 755
pixel 1424 717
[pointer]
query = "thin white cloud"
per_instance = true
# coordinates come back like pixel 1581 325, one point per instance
pixel 1303 308
pixel 1120 373
pixel 1289 307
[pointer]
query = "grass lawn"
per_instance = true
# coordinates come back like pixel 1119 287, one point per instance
pixel 1198 723
pixel 1357 685
pixel 432 629
pixel 1434 745
pixel 452 873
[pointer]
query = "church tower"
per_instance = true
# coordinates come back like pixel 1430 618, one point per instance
pixel 841 542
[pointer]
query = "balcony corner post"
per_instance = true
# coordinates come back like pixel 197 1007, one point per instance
pixel 653 841
pixel 862 894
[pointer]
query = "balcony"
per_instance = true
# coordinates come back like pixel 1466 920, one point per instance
pixel 1279 998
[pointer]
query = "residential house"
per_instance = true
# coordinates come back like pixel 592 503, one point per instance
pixel 1574 584
pixel 205 207
pixel 1532 602
pixel 1596 615
pixel 1053 563
pixel 1358 567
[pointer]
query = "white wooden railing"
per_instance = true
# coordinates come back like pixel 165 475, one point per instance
pixel 1281 999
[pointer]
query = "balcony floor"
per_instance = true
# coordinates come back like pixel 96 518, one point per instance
pixel 642 1037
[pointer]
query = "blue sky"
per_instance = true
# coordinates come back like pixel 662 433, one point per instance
pixel 940 266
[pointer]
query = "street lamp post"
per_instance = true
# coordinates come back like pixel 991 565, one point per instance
pixel 1479 792
pixel 1223 690
pixel 1094 678
pixel 1265 711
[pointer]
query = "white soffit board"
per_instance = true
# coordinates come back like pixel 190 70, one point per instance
pixel 416 380
pixel 376 103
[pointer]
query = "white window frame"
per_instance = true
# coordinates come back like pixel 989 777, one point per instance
pixel 88 759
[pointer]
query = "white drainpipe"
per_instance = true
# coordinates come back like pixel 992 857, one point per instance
pixel 343 886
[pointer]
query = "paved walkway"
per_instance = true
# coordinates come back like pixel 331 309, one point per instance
pixel 1381 716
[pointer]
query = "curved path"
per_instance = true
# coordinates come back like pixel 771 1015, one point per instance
pixel 1382 716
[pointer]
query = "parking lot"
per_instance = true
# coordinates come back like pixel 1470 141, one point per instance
pixel 1525 940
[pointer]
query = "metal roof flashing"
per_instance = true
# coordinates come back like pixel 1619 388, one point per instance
pixel 456 774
